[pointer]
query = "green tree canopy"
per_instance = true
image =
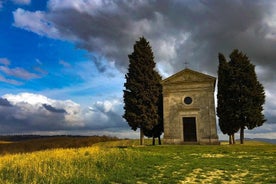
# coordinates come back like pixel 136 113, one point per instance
pixel 227 123
pixel 143 91
pixel 240 95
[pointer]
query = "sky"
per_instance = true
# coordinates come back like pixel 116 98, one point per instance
pixel 63 62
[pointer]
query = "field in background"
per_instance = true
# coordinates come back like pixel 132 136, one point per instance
pixel 29 143
pixel 124 161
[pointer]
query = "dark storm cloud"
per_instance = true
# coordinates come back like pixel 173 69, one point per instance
pixel 5 102
pixel 23 119
pixel 28 115
pixel 52 109
pixel 194 30
pixel 179 31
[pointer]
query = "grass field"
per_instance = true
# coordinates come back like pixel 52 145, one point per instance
pixel 126 162
pixel 23 144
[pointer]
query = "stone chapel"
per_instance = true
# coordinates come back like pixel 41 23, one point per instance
pixel 189 108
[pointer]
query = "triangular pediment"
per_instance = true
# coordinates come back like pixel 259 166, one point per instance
pixel 188 75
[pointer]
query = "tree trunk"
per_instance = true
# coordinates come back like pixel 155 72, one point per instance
pixel 242 135
pixel 159 140
pixel 230 138
pixel 153 140
pixel 141 137
pixel 233 139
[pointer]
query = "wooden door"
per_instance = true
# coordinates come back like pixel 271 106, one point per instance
pixel 189 129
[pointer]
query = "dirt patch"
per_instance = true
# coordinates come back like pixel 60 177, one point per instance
pixel 200 176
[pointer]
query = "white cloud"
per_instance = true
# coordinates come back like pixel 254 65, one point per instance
pixel 267 130
pixel 107 113
pixel 270 23
pixel 35 22
pixel 270 105
pixel 14 75
pixel 32 103
pixel 32 99
pixel 87 6
pixel 30 112
pixel 65 64
pixel 22 2
pixel 10 81
pixel 5 61
pixel 19 73
pixel 38 61
pixel 106 106
pixel 166 50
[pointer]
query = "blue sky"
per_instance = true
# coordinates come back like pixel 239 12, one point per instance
pixel 62 62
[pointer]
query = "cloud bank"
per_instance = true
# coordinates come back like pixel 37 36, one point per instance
pixel 28 113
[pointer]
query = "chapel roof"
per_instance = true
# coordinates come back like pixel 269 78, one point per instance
pixel 188 75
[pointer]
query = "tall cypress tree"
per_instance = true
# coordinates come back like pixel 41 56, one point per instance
pixel 244 93
pixel 227 123
pixel 143 92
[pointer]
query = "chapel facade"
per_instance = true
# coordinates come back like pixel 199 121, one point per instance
pixel 189 108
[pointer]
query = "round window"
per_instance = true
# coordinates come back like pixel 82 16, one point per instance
pixel 188 100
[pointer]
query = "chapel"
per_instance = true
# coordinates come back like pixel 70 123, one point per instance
pixel 189 108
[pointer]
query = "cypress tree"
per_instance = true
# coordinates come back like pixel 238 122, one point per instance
pixel 143 92
pixel 244 94
pixel 227 123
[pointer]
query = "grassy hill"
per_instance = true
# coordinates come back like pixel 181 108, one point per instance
pixel 125 161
